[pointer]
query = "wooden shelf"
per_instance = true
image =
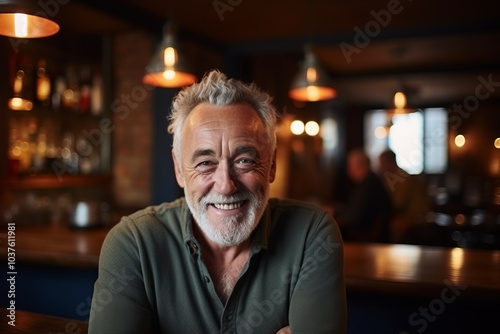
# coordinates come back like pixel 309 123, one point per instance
pixel 54 182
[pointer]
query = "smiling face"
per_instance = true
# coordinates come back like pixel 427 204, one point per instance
pixel 225 169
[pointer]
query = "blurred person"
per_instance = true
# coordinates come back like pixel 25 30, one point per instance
pixel 408 194
pixel 367 214
pixel 225 258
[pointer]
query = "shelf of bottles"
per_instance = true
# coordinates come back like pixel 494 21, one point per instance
pixel 55 112
pixel 57 152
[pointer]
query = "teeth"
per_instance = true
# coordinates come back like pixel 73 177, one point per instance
pixel 227 206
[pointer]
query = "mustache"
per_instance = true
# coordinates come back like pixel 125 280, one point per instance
pixel 222 199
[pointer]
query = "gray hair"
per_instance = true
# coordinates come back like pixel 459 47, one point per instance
pixel 215 88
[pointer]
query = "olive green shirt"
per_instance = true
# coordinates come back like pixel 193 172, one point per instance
pixel 152 278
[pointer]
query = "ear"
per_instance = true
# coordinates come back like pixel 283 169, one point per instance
pixel 272 172
pixel 178 172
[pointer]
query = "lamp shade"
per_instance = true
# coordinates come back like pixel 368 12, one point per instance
pixel 167 67
pixel 25 19
pixel 311 83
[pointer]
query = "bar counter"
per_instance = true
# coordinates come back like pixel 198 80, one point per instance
pixel 390 269
pixel 34 323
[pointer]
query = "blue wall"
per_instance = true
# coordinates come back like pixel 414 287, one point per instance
pixel 59 291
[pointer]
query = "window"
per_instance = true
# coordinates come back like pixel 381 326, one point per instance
pixel 419 139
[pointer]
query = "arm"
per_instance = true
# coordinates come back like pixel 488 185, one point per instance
pixel 318 303
pixel 284 330
pixel 119 303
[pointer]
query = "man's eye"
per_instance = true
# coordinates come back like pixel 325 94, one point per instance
pixel 245 161
pixel 205 166
pixel 244 165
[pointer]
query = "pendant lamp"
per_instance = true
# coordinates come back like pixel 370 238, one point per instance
pixel 25 19
pixel 168 68
pixel 311 83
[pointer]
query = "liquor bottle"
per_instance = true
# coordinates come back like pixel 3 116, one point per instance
pixel 43 86
pixel 85 98
pixel 58 95
pixel 71 97
pixel 97 94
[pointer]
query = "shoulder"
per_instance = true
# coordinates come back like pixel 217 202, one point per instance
pixel 289 208
pixel 297 217
pixel 150 222
pixel 299 229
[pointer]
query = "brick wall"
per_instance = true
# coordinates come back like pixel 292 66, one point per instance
pixel 132 116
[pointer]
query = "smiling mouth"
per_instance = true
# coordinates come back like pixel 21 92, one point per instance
pixel 228 206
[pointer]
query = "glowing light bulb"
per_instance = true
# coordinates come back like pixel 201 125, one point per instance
pixel 497 142
pixel 169 74
pixel 399 100
pixel 297 127
pixel 169 56
pixel 312 93
pixel 460 141
pixel 312 128
pixel 20 25
pixel 311 74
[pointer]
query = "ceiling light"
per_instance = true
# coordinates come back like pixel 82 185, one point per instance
pixel 311 83
pixel 167 67
pixel 400 104
pixel 399 100
pixel 25 19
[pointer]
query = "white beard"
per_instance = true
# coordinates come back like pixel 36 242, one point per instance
pixel 236 229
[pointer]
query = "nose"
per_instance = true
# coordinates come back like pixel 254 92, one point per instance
pixel 224 182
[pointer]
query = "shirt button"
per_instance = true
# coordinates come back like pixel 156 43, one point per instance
pixel 207 279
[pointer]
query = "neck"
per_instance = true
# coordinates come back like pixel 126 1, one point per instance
pixel 224 263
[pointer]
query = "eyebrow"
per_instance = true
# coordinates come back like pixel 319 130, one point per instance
pixel 239 150
pixel 202 153
pixel 248 149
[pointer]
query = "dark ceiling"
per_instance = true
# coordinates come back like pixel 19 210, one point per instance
pixel 439 49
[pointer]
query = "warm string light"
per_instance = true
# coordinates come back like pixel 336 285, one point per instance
pixel 311 128
pixel 460 140
pixel 497 143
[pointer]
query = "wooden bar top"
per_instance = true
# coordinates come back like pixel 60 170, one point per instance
pixel 57 245
pixel 34 323
pixel 384 268
pixel 422 271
